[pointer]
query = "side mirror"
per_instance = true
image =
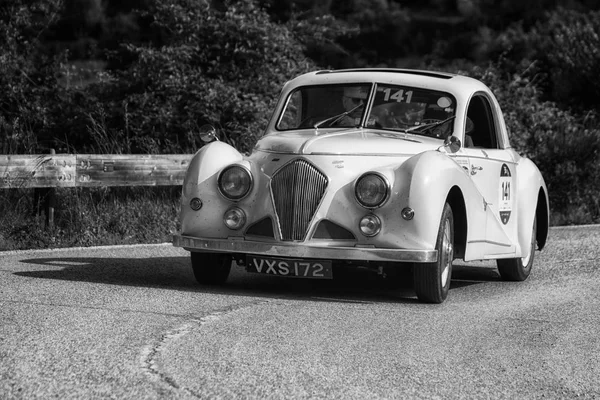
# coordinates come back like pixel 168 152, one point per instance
pixel 452 143
pixel 208 133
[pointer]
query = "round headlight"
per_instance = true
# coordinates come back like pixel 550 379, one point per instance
pixel 235 182
pixel 234 218
pixel 371 190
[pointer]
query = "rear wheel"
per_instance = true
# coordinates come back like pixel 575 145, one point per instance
pixel 432 280
pixel 518 269
pixel 210 268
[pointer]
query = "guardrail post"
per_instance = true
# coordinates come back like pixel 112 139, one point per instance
pixel 47 197
pixel 50 203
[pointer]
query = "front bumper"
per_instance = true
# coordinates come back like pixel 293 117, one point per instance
pixel 301 250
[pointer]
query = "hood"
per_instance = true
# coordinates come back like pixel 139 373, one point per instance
pixel 347 142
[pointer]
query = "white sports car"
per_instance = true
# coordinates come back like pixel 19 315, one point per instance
pixel 380 168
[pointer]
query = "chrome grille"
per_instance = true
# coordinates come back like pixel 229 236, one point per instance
pixel 297 190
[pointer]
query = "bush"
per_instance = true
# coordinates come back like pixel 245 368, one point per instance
pixel 90 217
pixel 566 49
pixel 204 65
pixel 27 76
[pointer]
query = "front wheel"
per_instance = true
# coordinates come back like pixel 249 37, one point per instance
pixel 211 268
pixel 432 280
pixel 518 269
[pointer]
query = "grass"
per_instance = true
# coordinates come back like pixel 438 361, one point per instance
pixel 109 216
pixel 90 217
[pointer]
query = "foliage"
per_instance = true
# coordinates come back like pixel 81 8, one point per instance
pixel 203 66
pixel 27 76
pixel 94 216
pixel 566 51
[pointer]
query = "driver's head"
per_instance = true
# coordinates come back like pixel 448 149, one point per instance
pixel 353 96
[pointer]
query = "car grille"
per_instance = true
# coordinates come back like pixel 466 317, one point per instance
pixel 297 190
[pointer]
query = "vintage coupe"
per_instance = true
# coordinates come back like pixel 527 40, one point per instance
pixel 378 168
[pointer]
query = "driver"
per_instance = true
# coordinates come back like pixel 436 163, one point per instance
pixel 354 97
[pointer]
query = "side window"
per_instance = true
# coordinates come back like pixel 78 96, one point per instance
pixel 482 131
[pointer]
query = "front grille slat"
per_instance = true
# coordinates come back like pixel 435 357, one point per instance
pixel 297 190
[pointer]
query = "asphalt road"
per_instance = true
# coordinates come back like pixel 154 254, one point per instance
pixel 129 322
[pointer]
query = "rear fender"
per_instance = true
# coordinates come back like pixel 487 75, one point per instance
pixel 532 202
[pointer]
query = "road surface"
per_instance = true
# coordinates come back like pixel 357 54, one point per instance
pixel 130 322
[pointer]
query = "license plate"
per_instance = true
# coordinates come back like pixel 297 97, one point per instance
pixel 289 267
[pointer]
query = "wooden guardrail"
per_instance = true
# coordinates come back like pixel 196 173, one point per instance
pixel 91 170
pixel 49 171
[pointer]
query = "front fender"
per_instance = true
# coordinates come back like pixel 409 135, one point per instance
pixel 201 181
pixel 207 162
pixel 424 182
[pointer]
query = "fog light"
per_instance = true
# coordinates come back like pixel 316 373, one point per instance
pixel 234 218
pixel 408 213
pixel 196 204
pixel 370 225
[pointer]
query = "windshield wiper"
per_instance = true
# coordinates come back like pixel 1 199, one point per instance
pixel 430 125
pixel 337 117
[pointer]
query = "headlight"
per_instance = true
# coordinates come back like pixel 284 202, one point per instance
pixel 371 190
pixel 235 182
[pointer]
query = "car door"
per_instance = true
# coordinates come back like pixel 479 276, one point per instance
pixel 493 171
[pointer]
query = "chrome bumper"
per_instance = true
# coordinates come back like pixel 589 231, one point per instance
pixel 301 250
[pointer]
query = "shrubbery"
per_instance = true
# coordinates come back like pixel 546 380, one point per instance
pixel 203 66
pixel 565 51
pixel 27 77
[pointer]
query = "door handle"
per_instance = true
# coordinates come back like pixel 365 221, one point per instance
pixel 474 169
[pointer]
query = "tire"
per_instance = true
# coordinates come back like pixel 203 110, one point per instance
pixel 518 269
pixel 210 268
pixel 432 280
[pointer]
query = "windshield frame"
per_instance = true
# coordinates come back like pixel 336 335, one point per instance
pixel 369 91
pixel 440 100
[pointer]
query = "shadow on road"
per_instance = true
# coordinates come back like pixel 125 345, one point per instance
pixel 350 284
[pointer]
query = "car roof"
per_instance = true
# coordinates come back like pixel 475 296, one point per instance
pixel 456 84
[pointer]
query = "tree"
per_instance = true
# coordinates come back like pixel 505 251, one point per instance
pixel 204 64
pixel 27 76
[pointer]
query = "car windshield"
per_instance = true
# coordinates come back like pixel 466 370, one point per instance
pixel 393 107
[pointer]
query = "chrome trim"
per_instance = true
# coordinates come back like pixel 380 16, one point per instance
pixel 467 154
pixel 319 153
pixel 297 189
pixel 490 242
pixel 287 249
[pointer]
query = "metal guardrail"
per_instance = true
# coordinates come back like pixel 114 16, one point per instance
pixel 47 172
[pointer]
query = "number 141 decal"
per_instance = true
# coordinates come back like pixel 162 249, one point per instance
pixel 505 191
pixel 505 204
pixel 398 96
